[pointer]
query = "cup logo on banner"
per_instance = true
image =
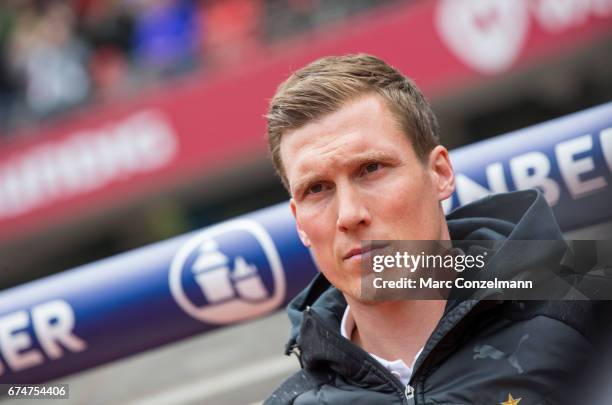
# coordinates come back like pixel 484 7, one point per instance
pixel 228 273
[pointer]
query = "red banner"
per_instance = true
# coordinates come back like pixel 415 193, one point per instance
pixel 132 149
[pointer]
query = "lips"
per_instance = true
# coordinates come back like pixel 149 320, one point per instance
pixel 361 250
pixel 354 252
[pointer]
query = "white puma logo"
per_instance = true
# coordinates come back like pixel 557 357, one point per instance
pixel 488 351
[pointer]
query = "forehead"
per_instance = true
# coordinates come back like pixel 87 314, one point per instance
pixel 361 127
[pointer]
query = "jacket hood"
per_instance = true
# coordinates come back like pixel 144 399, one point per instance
pixel 521 215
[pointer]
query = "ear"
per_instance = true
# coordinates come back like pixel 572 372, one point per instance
pixel 442 173
pixel 301 233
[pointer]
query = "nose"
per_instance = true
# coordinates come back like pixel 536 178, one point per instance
pixel 352 209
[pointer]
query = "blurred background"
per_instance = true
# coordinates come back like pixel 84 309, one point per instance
pixel 125 122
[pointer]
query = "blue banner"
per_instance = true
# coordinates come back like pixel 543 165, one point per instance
pixel 569 159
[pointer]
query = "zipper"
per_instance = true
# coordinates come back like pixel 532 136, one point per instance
pixel 409 391
pixel 405 392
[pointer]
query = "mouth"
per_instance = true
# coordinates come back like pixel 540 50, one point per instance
pixel 364 251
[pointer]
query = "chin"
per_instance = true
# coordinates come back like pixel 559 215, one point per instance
pixel 358 299
pixel 352 291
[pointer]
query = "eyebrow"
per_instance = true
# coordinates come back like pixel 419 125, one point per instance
pixel 355 160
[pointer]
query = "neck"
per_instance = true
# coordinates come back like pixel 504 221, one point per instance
pixel 397 329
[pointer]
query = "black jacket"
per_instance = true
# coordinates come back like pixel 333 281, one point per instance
pixel 481 351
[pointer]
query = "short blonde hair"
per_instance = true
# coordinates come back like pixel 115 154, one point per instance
pixel 326 84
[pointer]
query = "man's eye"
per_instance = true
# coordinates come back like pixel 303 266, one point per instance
pixel 371 167
pixel 314 189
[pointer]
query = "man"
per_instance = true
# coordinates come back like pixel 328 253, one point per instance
pixel 356 145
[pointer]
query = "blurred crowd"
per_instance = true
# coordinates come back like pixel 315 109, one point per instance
pixel 58 55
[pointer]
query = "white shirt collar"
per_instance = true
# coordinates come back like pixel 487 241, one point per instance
pixel 397 367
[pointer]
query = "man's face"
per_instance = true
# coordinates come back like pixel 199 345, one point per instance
pixel 354 176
